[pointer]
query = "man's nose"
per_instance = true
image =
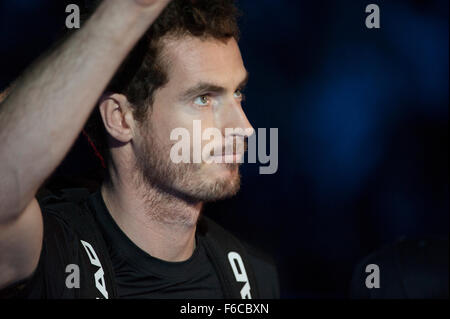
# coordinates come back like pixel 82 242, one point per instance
pixel 234 117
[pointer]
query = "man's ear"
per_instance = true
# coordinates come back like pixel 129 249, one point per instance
pixel 117 116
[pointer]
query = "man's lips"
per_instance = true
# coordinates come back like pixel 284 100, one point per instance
pixel 232 153
pixel 228 158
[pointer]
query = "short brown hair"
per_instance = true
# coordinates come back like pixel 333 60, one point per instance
pixel 142 72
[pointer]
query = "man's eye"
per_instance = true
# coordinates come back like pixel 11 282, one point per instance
pixel 239 94
pixel 202 100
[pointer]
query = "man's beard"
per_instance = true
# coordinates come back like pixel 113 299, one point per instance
pixel 183 180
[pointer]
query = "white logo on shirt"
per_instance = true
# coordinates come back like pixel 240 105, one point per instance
pixel 239 273
pixel 98 277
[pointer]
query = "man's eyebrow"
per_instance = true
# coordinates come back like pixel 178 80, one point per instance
pixel 201 88
pixel 204 87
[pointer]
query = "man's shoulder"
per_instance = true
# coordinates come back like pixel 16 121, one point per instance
pixel 262 264
pixel 48 198
pixel 66 205
pixel 67 216
pixel 58 248
pixel 72 234
pixel 214 229
pixel 266 272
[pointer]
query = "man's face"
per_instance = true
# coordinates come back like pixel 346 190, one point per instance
pixel 205 82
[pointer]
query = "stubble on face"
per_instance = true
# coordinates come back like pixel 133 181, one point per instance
pixel 191 182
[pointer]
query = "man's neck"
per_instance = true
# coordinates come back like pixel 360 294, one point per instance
pixel 157 222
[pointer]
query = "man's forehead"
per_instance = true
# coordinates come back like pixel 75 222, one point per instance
pixel 193 57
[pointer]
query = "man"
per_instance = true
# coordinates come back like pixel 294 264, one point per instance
pixel 141 235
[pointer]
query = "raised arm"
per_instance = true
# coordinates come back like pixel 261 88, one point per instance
pixel 44 112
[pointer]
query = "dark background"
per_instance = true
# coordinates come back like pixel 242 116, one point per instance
pixel 362 116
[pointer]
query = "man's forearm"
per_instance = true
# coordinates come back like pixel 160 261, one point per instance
pixel 49 105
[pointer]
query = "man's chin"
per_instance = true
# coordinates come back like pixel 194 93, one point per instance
pixel 220 170
pixel 222 183
pixel 217 192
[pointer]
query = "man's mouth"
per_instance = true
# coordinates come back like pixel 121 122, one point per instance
pixel 228 154
pixel 228 158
